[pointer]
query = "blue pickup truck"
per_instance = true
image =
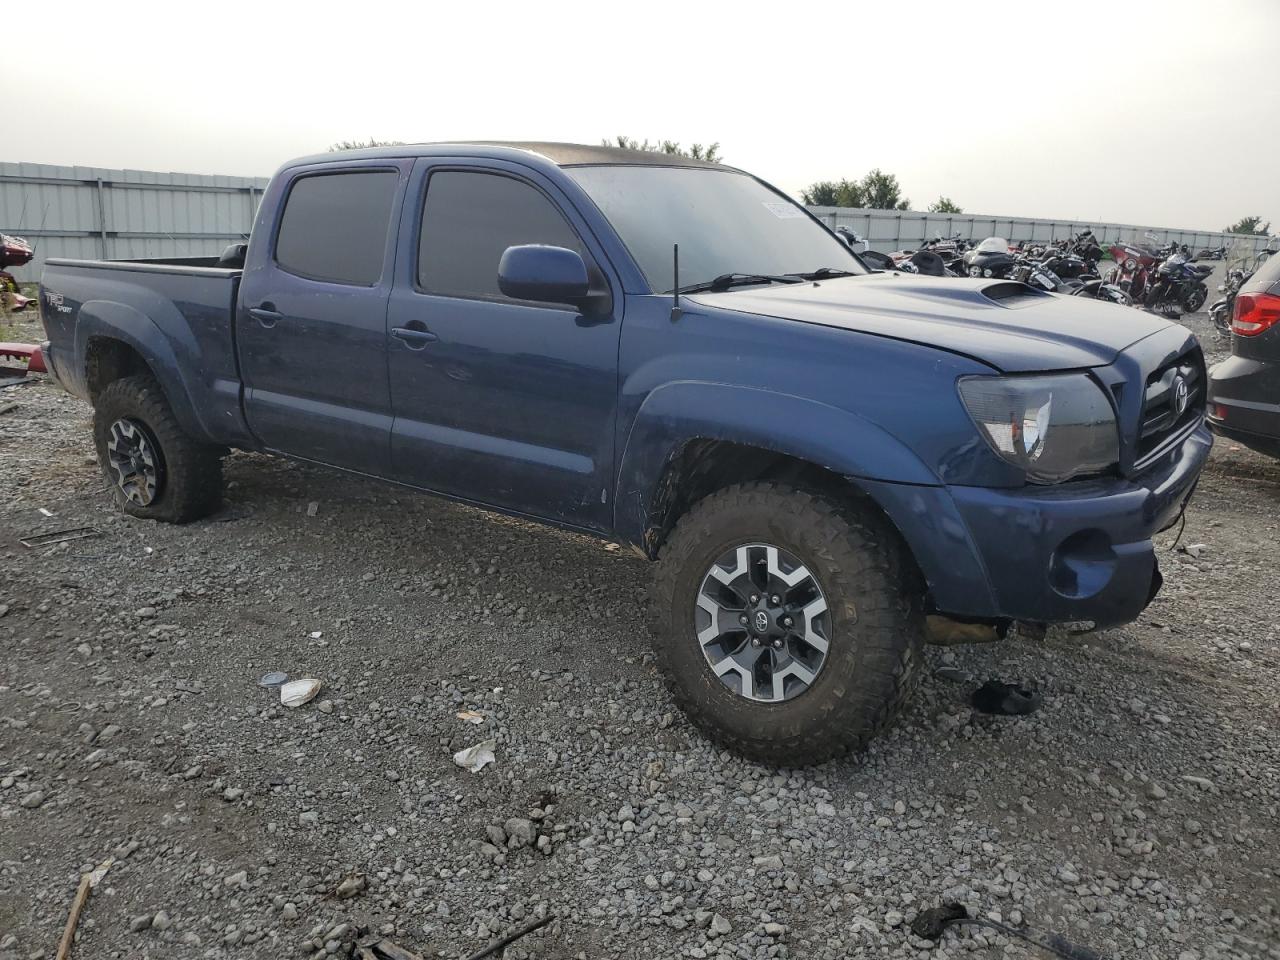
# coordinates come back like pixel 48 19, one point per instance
pixel 815 455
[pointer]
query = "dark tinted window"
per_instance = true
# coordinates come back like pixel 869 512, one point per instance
pixel 1267 274
pixel 469 219
pixel 335 226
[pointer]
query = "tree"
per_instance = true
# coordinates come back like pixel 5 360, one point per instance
pixel 877 190
pixel 944 205
pixel 362 144
pixel 832 193
pixel 880 191
pixel 1252 226
pixel 695 151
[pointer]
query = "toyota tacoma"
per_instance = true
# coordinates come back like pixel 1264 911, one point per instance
pixel 673 355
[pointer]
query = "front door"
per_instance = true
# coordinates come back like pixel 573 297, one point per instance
pixel 498 401
pixel 311 324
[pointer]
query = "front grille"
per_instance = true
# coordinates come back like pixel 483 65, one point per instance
pixel 1165 412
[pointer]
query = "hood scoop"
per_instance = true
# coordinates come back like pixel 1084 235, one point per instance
pixel 1008 293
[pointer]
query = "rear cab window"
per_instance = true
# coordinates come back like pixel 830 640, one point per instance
pixel 469 218
pixel 1266 277
pixel 334 226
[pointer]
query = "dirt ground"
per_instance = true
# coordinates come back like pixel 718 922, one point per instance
pixel 1137 812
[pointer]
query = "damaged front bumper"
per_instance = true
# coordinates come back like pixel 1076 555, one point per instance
pixel 1069 552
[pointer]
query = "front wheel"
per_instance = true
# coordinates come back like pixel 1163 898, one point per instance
pixel 1194 298
pixel 788 624
pixel 156 471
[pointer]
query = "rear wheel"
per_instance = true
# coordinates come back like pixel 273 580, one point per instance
pixel 787 623
pixel 155 470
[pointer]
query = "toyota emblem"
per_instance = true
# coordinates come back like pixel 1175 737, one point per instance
pixel 1181 395
pixel 762 621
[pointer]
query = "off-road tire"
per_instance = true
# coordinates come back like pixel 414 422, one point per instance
pixel 191 487
pixel 877 625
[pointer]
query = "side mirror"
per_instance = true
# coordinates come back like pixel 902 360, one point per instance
pixel 544 274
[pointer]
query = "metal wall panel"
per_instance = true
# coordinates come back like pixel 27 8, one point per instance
pixel 92 212
pixel 89 212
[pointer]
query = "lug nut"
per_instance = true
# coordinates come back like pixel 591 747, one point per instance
pixel 742 619
pixel 775 599
pixel 754 598
pixel 787 621
pixel 777 644
pixel 755 641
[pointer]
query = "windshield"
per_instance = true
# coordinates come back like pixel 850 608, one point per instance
pixel 725 223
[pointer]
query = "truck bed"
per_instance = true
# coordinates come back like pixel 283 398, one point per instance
pixel 177 314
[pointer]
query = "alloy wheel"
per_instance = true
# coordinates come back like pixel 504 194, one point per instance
pixel 134 460
pixel 763 623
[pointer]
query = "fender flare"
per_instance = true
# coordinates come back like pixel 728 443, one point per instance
pixel 678 412
pixel 108 319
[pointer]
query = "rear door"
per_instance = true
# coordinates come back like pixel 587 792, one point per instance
pixel 499 401
pixel 311 321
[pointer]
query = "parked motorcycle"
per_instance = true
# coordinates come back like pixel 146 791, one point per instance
pixel 871 259
pixel 1085 246
pixel 1178 286
pixel 990 258
pixel 1069 265
pixel 1133 270
pixel 1212 253
pixel 1037 274
pixel 1220 311
pixel 14 252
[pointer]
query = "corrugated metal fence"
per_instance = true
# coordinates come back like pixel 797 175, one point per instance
pixel 888 230
pixel 91 212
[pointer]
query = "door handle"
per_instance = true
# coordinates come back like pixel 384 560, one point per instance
pixel 415 337
pixel 266 315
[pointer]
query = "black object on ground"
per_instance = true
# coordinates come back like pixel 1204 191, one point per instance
pixel 1006 699
pixel 496 948
pixel 929 925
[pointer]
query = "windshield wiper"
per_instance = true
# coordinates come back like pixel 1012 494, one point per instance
pixel 824 273
pixel 727 280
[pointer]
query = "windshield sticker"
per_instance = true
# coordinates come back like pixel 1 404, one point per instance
pixel 783 211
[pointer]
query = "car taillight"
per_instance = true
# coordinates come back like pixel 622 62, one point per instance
pixel 1255 313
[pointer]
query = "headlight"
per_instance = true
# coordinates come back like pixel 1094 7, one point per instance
pixel 1054 427
pixel 1131 264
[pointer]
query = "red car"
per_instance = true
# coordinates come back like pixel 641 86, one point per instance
pixel 14 252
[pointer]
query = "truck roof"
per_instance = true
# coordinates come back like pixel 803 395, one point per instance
pixel 560 154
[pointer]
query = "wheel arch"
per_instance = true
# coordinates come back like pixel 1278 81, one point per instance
pixel 694 442
pixel 117 341
pixel 690 438
pixel 109 358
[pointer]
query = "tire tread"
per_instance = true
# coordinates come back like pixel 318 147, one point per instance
pixel 193 470
pixel 856 545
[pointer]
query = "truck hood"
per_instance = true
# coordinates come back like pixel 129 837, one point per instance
pixel 1007 325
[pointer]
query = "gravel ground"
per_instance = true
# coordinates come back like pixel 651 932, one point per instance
pixel 1136 812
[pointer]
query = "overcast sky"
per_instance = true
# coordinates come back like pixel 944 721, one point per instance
pixel 1159 113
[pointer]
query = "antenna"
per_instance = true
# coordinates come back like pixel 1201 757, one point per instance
pixel 676 312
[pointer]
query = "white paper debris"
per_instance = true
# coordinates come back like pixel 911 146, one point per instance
pixel 477 757
pixel 297 692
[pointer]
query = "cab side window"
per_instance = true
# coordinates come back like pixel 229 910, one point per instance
pixel 334 226
pixel 468 221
